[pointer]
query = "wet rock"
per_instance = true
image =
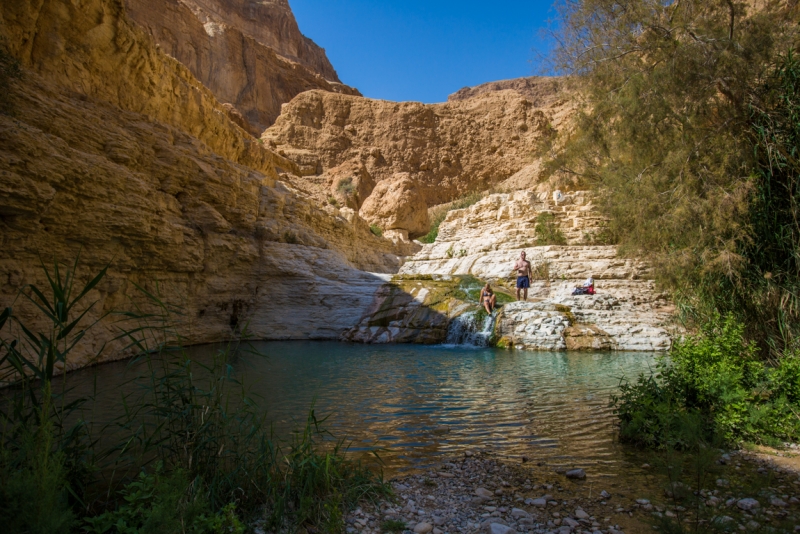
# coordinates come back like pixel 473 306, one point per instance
pixel 747 504
pixel 577 474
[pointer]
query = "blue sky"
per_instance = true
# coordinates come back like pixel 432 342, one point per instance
pixel 423 50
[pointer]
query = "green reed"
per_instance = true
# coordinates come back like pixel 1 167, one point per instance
pixel 190 440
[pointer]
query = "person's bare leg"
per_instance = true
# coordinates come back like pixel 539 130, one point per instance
pixel 492 302
pixel 518 290
pixel 486 305
pixel 525 294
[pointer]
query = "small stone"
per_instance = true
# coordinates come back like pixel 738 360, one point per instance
pixel 775 501
pixel 580 514
pixel 423 528
pixel 498 492
pixel 604 494
pixel 539 503
pixel 571 522
pixel 484 493
pixel 437 531
pixel 576 474
pixel 752 525
pixel 747 504
pixel 645 466
pixel 642 501
pixel 794 500
pixel 722 483
pixel 499 528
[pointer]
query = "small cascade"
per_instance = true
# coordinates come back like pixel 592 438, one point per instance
pixel 465 330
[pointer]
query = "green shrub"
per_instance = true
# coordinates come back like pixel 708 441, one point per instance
pixel 158 503
pixel 711 387
pixel 376 230
pixel 346 186
pixel 547 231
pixel 439 214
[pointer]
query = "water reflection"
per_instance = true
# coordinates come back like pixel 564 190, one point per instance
pixel 420 402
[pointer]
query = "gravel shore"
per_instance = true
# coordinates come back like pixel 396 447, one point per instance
pixel 481 493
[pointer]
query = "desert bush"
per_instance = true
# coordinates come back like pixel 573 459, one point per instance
pixel 547 231
pixel 376 230
pixel 346 186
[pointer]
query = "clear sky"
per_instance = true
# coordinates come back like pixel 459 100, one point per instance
pixel 424 50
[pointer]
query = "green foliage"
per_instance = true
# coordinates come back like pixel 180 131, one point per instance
pixel 712 387
pixel 158 503
pixel 346 186
pixel 332 201
pixel 439 214
pixel 393 525
pixel 376 230
pixel 547 231
pixel 34 492
pixel 688 135
pixel 194 419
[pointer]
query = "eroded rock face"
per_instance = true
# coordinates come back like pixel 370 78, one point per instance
pixel 448 149
pixel 398 204
pixel 484 240
pixel 116 150
pixel 249 53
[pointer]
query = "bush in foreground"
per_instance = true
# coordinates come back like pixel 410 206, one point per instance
pixel 712 388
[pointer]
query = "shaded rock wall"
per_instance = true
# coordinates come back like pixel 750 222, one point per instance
pixel 115 150
pixel 250 54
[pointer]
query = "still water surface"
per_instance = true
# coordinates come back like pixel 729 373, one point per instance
pixel 420 403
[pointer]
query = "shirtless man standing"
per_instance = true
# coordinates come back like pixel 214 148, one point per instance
pixel 522 268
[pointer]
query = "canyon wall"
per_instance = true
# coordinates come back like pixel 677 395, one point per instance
pixel 113 150
pixel 250 53
pixel 418 155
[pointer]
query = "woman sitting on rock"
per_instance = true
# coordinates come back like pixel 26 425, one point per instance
pixel 488 298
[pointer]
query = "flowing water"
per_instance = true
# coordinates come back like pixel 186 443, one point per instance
pixel 419 404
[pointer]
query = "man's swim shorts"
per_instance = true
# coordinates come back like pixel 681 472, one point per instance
pixel 523 282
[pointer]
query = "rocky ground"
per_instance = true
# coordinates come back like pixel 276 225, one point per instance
pixel 479 492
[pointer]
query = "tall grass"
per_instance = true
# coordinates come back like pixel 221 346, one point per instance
pixel 190 446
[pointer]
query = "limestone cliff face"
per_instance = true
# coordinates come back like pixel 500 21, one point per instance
pixel 115 150
pixel 250 53
pixel 445 149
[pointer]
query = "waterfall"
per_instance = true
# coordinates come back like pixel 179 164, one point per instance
pixel 465 330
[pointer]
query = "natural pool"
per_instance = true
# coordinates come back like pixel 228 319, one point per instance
pixel 419 403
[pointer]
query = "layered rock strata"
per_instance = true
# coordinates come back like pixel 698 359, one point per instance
pixel 249 53
pixel 441 150
pixel 116 151
pixel 484 240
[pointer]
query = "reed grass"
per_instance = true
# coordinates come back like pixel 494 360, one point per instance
pixel 191 446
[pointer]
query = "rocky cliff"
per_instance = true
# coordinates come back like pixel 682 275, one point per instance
pixel 116 150
pixel 420 155
pixel 482 242
pixel 250 53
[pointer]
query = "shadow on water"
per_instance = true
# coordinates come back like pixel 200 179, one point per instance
pixel 420 403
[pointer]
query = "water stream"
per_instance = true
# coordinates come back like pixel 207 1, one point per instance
pixel 468 329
